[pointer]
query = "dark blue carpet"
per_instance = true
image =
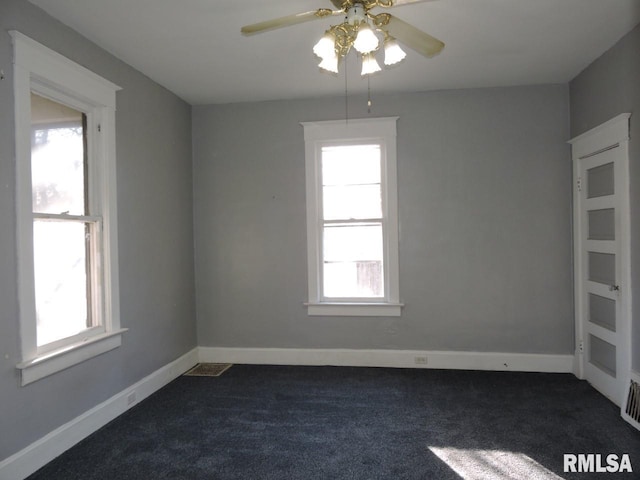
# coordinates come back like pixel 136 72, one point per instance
pixel 278 422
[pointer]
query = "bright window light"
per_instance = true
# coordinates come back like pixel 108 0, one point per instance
pixel 62 296
pixel 352 212
pixel 61 245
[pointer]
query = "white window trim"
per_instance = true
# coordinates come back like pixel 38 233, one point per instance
pixel 316 135
pixel 39 69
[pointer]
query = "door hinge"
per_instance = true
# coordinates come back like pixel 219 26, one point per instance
pixel 579 184
pixel 99 128
pixel 581 347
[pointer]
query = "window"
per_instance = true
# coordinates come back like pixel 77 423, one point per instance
pixel 352 225
pixel 66 210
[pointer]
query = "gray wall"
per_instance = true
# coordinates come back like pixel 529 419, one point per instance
pixel 608 87
pixel 485 223
pixel 155 239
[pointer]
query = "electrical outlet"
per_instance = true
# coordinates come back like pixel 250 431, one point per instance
pixel 420 360
pixel 131 398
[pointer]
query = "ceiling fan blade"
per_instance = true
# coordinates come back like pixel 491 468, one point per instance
pixel 412 37
pixel 288 21
pixel 397 3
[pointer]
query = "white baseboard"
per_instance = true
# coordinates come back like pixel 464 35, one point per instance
pixel 41 452
pixel 518 362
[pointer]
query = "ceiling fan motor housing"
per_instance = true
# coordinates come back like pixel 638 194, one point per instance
pixel 356 14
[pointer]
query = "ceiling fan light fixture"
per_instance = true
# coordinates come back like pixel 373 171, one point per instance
pixel 330 63
pixel 361 29
pixel 366 41
pixel 326 46
pixel 369 64
pixel 393 53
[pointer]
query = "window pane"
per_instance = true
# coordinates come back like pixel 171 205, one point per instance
pixel 352 242
pixel 353 280
pixel 60 279
pixel 602 311
pixel 600 181
pixel 351 165
pixel 602 268
pixel 352 202
pixel 353 261
pixel 57 157
pixel 603 355
pixel 602 224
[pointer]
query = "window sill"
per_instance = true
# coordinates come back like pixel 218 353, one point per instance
pixel 68 356
pixel 355 309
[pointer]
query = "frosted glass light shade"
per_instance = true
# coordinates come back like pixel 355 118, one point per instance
pixel 392 52
pixel 369 64
pixel 366 41
pixel 330 63
pixel 325 46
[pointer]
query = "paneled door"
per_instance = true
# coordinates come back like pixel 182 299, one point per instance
pixel 601 243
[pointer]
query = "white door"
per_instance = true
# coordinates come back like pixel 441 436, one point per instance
pixel 602 274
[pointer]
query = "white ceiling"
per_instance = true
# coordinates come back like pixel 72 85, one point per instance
pixel 195 49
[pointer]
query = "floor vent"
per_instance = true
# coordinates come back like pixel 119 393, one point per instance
pixel 208 370
pixel 631 412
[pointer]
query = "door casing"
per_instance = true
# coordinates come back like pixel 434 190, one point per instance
pixel 613 134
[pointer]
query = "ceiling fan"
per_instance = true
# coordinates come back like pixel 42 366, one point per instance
pixel 356 31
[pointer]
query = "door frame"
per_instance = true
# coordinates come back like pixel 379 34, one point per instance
pixel 611 134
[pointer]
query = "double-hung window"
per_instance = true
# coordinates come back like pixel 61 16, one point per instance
pixel 66 209
pixel 352 225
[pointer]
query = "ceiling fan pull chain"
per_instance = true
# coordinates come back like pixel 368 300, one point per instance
pixel 346 97
pixel 368 93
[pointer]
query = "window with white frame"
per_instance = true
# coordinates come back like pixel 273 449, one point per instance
pixel 66 210
pixel 352 224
